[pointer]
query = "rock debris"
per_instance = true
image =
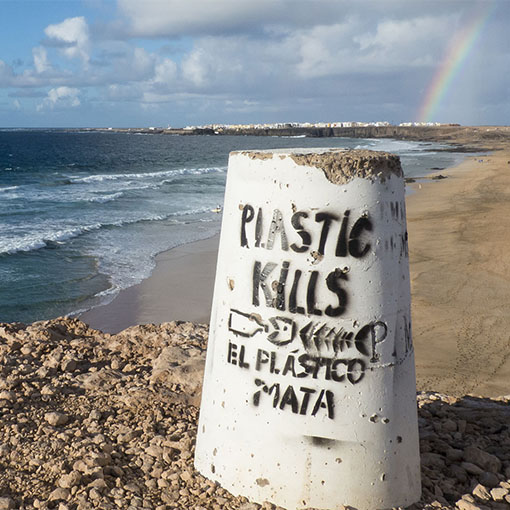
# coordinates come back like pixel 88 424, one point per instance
pixel 91 420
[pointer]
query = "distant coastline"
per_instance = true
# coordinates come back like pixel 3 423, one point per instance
pixel 460 138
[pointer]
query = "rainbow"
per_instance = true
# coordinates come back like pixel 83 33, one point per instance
pixel 459 48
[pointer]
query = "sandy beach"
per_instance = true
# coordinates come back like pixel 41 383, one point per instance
pixel 460 275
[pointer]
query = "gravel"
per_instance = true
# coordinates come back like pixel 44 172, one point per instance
pixel 91 420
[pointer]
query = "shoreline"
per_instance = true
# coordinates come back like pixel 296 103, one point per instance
pixel 165 295
pixel 148 303
pixel 464 138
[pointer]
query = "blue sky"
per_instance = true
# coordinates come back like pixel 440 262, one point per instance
pixel 80 63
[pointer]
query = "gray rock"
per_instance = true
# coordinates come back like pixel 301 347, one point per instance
pixel 56 419
pixel 432 460
pixel 459 473
pixel 184 367
pixel 95 415
pixel 186 476
pixel 8 395
pixel 471 468
pixel 454 455
pixel 80 465
pixel 98 459
pixel 68 365
pixel 48 390
pixel 7 503
pixel 59 494
pixel 486 461
pixel 132 487
pixel 94 493
pixel 98 484
pixel 449 426
pixel 154 451
pixel 131 442
pixel 70 480
pixel 489 479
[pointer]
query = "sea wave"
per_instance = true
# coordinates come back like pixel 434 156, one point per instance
pixel 10 245
pixel 133 265
pixel 145 175
pixel 31 195
pixel 32 242
pixel 103 199
pixel 397 146
pixel 100 188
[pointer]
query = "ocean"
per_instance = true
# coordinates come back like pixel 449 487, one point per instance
pixel 84 213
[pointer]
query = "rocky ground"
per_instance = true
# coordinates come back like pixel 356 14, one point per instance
pixel 91 420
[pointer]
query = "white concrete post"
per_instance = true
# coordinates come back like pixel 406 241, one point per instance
pixel 309 395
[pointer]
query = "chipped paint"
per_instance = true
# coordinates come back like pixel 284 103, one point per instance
pixel 262 482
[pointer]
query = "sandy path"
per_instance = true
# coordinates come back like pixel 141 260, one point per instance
pixel 460 278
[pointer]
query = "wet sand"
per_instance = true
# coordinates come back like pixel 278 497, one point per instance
pixel 180 288
pixel 460 279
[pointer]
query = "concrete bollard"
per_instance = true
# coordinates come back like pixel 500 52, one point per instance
pixel 309 397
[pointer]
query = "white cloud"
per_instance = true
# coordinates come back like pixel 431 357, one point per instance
pixel 40 57
pixel 324 50
pixel 73 34
pixel 253 57
pixel 176 18
pixel 61 97
pixel 117 92
pixel 156 18
pixel 133 65
pixel 356 47
pixel 142 62
pixel 290 59
pixel 233 63
pixel 197 67
pixel 408 41
pixel 165 72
